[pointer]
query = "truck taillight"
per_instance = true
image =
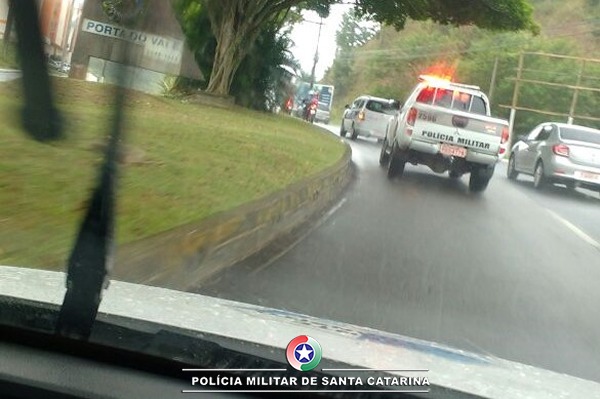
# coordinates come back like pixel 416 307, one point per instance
pixel 361 116
pixel 505 135
pixel 561 150
pixel 412 116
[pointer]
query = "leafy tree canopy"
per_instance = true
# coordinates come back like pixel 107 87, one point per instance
pixel 236 24
pixel 488 14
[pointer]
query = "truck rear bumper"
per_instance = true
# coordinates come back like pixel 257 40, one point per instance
pixel 473 156
pixel 365 132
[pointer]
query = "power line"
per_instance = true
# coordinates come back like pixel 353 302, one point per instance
pixel 587 23
pixel 390 52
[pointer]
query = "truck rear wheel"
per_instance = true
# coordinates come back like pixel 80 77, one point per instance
pixel 353 133
pixel 480 178
pixel 396 164
pixel 384 157
pixel 511 171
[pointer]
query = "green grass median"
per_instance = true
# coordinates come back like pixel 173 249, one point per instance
pixel 8 57
pixel 182 163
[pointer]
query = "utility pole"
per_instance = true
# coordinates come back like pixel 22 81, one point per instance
pixel 316 59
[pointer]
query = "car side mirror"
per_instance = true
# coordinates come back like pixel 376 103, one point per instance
pixel 346 106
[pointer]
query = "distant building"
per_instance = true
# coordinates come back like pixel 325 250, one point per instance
pixel 58 22
pixel 3 16
pixel 151 49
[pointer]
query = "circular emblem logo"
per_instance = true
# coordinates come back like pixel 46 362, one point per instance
pixel 303 353
pixel 123 11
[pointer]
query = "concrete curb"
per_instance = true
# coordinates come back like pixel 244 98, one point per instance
pixel 185 256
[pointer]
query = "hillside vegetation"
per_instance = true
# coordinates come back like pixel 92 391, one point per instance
pixel 389 63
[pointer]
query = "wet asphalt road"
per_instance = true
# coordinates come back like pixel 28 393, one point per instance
pixel 513 273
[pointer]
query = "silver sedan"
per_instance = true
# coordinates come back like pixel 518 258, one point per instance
pixel 558 153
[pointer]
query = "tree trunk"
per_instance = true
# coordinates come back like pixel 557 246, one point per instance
pixel 228 57
pixel 236 25
pixel 233 42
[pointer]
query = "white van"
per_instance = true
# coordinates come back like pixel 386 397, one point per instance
pixel 368 116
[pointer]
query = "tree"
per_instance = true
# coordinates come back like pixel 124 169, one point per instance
pixel 488 14
pixel 236 23
pixel 352 34
pixel 261 80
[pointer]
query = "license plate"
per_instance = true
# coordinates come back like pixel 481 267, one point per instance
pixel 587 175
pixel 454 151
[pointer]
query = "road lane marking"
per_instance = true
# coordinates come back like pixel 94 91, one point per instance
pixel 302 237
pixel 580 233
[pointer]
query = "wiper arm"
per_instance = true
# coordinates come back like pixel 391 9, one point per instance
pixel 90 260
pixel 89 263
pixel 41 119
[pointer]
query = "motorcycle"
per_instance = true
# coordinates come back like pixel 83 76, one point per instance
pixel 289 107
pixel 311 113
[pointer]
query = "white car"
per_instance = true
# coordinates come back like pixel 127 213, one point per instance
pixel 368 116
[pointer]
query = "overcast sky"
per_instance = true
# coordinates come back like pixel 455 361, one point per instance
pixel 305 37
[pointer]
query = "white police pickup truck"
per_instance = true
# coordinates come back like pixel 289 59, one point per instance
pixel 446 126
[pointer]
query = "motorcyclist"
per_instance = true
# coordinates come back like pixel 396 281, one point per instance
pixel 289 105
pixel 311 100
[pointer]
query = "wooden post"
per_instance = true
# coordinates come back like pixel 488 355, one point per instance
pixel 493 81
pixel 576 93
pixel 515 99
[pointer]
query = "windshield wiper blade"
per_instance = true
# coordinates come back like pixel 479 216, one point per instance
pixel 41 119
pixel 92 255
pixel 88 266
pixel 89 262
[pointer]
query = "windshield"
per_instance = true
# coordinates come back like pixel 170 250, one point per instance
pixel 452 99
pixel 586 136
pixel 382 107
pixel 162 162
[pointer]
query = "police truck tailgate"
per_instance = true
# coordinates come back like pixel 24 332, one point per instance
pixel 458 132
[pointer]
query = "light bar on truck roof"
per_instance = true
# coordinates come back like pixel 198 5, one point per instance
pixel 433 79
